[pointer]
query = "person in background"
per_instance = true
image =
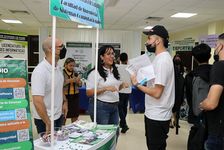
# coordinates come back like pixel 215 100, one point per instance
pixel 159 93
pixel 214 103
pixel 124 93
pixel 72 83
pixel 202 54
pixel 199 82
pixel 179 90
pixel 108 85
pixel 41 89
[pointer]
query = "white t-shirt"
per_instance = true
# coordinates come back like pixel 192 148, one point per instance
pixel 124 77
pixel 107 96
pixel 41 85
pixel 161 109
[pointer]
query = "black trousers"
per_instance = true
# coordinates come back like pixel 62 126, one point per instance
pixel 41 127
pixel 156 133
pixel 122 107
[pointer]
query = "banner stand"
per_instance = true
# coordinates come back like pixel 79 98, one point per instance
pixel 53 78
pixel 76 14
pixel 96 68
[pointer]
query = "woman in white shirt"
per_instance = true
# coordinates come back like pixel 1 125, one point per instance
pixel 108 85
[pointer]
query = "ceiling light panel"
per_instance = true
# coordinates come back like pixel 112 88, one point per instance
pixel 183 15
pixel 11 21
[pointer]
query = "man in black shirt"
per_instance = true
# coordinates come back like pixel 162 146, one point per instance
pixel 214 103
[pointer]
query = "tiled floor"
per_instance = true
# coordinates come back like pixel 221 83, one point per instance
pixel 134 139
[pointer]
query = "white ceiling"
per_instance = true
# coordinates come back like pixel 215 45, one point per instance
pixel 124 15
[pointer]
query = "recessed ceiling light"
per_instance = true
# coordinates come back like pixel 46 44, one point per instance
pixel 148 27
pixel 84 26
pixel 11 21
pixel 183 15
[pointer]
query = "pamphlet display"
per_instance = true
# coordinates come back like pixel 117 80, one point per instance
pixel 82 136
pixel 15 118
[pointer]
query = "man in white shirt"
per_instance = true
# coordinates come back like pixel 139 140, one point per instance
pixel 159 93
pixel 41 89
pixel 123 93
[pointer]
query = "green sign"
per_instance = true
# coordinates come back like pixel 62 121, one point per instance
pixel 15 117
pixel 89 12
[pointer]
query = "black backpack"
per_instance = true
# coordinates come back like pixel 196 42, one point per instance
pixel 200 90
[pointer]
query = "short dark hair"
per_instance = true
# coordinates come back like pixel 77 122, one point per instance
pixel 201 52
pixel 123 57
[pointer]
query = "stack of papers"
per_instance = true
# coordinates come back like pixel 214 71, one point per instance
pixel 142 67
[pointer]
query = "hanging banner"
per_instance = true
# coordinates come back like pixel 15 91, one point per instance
pixel 82 53
pixel 13 46
pixel 15 117
pixel 89 12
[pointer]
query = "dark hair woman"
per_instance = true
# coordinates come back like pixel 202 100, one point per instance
pixel 108 85
pixel 71 84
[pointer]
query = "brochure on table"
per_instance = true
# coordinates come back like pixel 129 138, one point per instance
pixel 142 67
pixel 15 118
pixel 82 136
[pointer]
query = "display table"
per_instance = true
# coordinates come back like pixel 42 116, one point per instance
pixel 137 100
pixel 104 139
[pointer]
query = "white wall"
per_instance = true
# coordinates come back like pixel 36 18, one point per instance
pixel 130 40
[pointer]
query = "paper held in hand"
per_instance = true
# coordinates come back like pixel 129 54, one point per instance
pixel 142 67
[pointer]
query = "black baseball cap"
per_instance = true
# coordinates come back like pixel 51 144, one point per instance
pixel 158 30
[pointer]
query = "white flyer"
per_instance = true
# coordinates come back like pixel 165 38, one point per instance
pixel 142 67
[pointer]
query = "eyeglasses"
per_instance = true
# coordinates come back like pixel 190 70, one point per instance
pixel 60 46
pixel 111 53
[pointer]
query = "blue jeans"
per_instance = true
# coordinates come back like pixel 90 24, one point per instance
pixel 214 143
pixel 107 113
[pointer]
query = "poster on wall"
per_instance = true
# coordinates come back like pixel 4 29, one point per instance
pixel 82 53
pixel 117 49
pixel 183 45
pixel 15 117
pixel 209 40
pixel 13 46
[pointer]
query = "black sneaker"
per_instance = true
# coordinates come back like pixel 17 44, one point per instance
pixel 124 130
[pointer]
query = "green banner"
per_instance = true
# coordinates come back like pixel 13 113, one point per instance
pixel 15 118
pixel 89 12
